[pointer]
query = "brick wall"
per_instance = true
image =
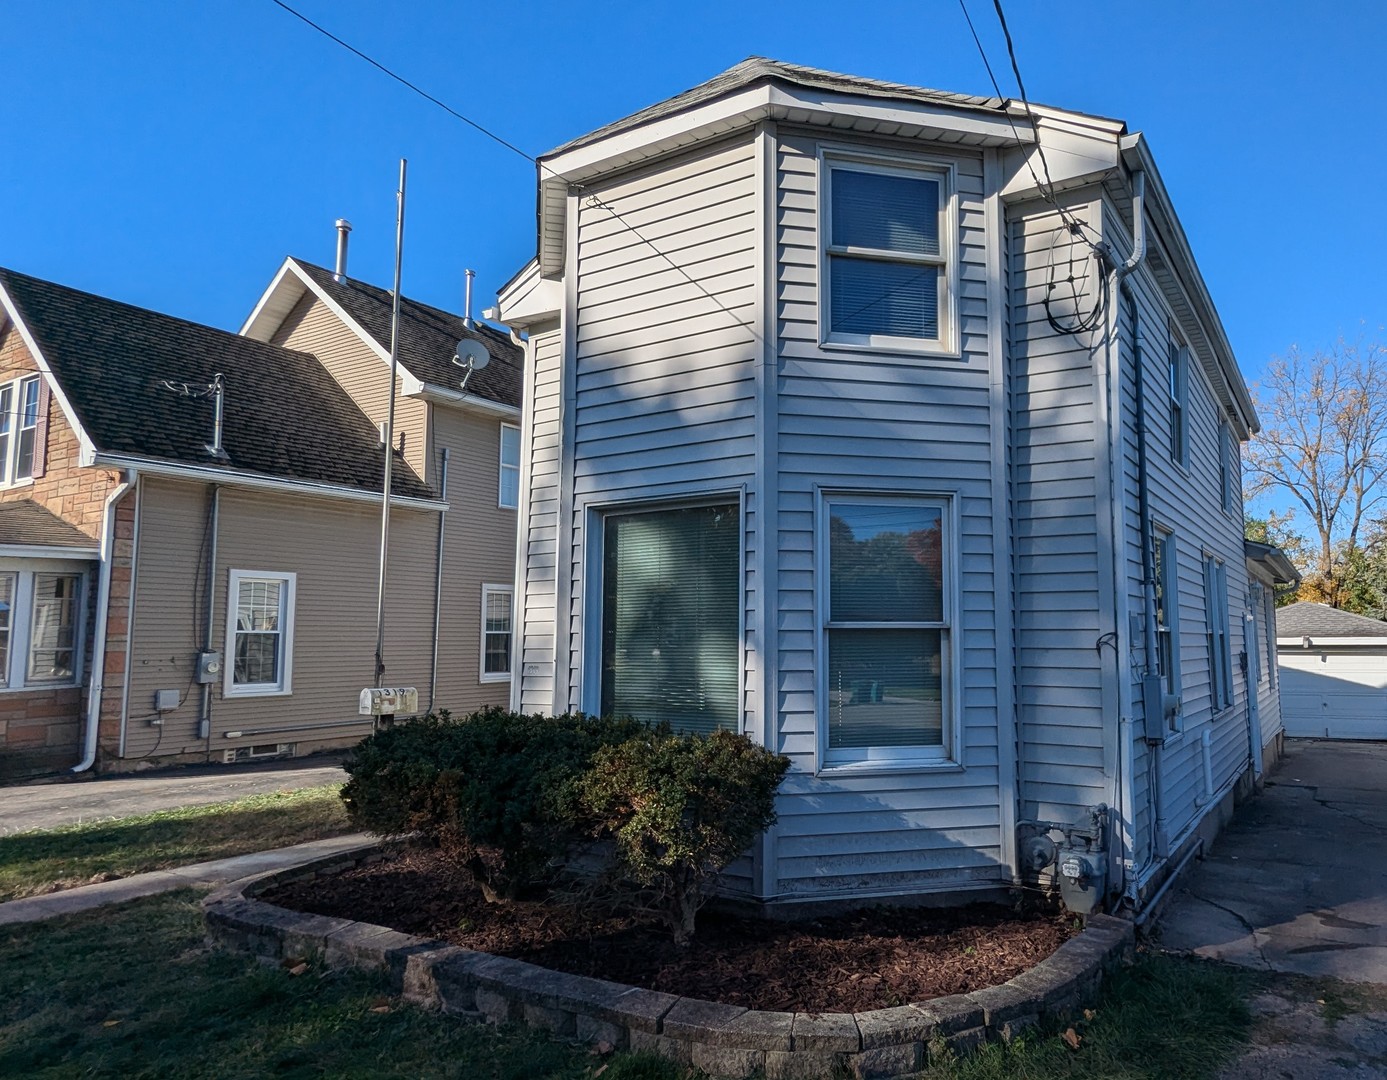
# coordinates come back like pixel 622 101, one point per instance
pixel 41 729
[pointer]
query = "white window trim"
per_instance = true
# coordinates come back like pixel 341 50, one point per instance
pixel 496 676
pixel 1179 400
pixel 877 760
pixel 501 468
pixel 10 461
pixel 286 634
pixel 1170 588
pixel 1220 646
pixel 947 344
pixel 1269 632
pixel 16 679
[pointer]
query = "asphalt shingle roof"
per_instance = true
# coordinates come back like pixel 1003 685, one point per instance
pixel 23 521
pixel 284 415
pixel 1322 621
pixel 428 338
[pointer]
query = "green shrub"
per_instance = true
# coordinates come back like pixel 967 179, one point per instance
pixel 495 789
pixel 681 808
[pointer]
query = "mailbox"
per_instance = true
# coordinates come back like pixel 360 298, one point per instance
pixel 388 700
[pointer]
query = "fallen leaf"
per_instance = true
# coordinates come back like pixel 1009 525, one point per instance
pixel 1089 1014
pixel 600 1071
pixel 1319 1001
pixel 1072 1038
pixel 298 969
pixel 381 1009
pixel 109 1023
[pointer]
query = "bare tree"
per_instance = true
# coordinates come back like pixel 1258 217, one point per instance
pixel 1324 442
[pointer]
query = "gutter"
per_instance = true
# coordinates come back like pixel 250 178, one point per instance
pixel 103 607
pixel 432 392
pixel 204 474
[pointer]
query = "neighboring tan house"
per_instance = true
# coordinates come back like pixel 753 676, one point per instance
pixel 1333 670
pixel 163 601
pixel 843 432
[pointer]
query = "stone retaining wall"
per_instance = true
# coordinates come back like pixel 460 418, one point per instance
pixel 723 1040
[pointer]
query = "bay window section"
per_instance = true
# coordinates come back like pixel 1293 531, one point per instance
pixel 887 630
pixel 53 637
pixel 8 583
pixel 671 616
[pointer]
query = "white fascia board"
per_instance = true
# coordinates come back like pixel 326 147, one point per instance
pixel 86 448
pixel 443 395
pixel 1137 155
pixel 533 299
pixel 38 551
pixel 1295 644
pixel 261 324
pixel 1076 154
pixel 207 475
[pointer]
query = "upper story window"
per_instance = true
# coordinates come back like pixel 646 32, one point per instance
pixel 887 631
pixel 510 467
pixel 259 633
pixel 19 422
pixel 1177 362
pixel 887 254
pixel 1229 469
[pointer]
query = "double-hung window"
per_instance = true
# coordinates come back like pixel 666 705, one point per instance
pixel 259 633
pixel 1177 377
pixel 671 615
pixel 19 423
pixel 40 627
pixel 1269 631
pixel 1229 469
pixel 1216 614
pixel 1167 613
pixel 496 633
pixel 887 630
pixel 510 467
pixel 887 254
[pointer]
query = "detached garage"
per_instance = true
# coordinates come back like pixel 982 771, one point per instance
pixel 1333 667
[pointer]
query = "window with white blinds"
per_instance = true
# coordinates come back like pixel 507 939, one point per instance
pixel 671 615
pixel 260 633
pixel 887 631
pixel 886 254
pixel 496 633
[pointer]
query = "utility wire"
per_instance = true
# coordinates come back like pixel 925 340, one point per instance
pixel 592 199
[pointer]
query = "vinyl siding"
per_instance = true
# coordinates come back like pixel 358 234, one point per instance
pixel 538 546
pixel 333 548
pixel 312 327
pixel 1054 439
pixel 857 420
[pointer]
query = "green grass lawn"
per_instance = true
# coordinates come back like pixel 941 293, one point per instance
pixel 132 991
pixel 42 861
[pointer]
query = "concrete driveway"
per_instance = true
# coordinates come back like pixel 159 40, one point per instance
pixel 46 806
pixel 1298 882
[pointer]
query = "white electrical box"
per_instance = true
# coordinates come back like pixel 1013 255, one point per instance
pixel 166 700
pixel 388 701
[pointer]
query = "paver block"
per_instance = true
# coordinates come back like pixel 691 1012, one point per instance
pixel 559 1022
pixel 593 1030
pixel 827 1031
pixel 952 1014
pixel 1002 1003
pixel 497 1008
pixel 726 1061
pixel 756 1030
pixel 642 1010
pixel 803 1065
pixel 887 1061
pixel 1008 1030
pixel 888 1027
pixel 676 1050
pixel 699 1021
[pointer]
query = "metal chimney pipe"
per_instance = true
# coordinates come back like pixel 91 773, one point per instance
pixel 467 303
pixel 343 228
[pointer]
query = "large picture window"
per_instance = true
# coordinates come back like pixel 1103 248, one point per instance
pixel 887 629
pixel 886 254
pixel 259 633
pixel 41 623
pixel 53 637
pixel 671 615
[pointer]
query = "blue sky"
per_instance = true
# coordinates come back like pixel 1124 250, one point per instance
pixel 171 154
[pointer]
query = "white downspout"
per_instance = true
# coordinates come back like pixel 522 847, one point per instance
pixel 103 606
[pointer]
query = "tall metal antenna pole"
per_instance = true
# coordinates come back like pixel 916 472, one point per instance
pixel 390 427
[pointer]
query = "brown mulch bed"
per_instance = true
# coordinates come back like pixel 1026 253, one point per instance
pixel 871 959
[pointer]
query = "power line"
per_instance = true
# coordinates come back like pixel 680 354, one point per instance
pixel 592 199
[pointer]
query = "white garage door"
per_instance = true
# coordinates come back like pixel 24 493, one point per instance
pixel 1334 694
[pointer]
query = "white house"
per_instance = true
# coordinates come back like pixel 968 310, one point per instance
pixel 844 430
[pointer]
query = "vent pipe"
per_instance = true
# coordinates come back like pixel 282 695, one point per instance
pixel 467 300
pixel 339 275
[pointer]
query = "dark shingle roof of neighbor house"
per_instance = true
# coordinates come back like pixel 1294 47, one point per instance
pixel 757 69
pixel 284 415
pixel 428 338
pixel 1322 621
pixel 24 521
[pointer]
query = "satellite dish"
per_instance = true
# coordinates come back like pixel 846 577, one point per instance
pixel 471 355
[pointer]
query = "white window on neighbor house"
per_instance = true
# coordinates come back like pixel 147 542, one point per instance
pixel 19 428
pixel 1177 379
pixel 671 615
pixel 1167 614
pixel 887 630
pixel 1216 615
pixel 497 622
pixel 259 633
pixel 41 625
pixel 510 467
pixel 888 263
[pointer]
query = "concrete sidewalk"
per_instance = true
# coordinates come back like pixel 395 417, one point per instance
pixel 47 806
pixel 1298 881
pixel 198 875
